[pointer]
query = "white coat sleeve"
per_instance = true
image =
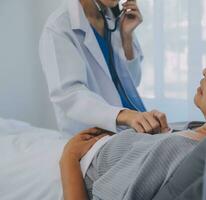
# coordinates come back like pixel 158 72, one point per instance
pixel 66 75
pixel 134 65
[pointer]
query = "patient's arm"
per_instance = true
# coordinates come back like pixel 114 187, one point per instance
pixel 72 179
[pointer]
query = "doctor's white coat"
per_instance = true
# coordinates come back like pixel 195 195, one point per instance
pixel 80 86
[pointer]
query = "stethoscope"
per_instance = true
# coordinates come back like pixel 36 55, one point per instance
pixel 108 32
pixel 107 18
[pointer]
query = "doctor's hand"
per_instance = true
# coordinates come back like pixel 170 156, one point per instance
pixel 144 122
pixel 80 144
pixel 131 18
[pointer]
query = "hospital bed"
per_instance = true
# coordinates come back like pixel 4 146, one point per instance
pixel 29 161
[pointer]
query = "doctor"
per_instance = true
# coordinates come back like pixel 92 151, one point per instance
pixel 91 61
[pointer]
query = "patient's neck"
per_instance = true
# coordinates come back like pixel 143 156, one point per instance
pixel 201 130
pixel 200 133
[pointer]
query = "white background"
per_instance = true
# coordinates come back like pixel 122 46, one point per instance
pixel 23 91
pixel 172 36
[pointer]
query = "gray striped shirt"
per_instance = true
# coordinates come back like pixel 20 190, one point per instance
pixel 135 166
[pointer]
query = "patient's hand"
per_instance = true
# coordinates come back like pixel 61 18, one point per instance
pixel 80 144
pixel 70 168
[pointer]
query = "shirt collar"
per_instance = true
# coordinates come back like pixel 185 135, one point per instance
pixel 77 16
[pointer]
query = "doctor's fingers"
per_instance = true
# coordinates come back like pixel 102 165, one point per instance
pixel 131 5
pixel 138 128
pixel 141 124
pixel 134 11
pixel 147 127
pixel 154 123
pixel 135 14
pixel 162 118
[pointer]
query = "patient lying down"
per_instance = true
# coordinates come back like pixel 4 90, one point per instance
pixel 138 166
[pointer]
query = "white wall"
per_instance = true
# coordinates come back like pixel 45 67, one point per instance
pixel 23 91
pixel 173 38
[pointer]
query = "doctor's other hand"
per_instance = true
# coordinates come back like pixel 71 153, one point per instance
pixel 132 17
pixel 144 122
pixel 81 143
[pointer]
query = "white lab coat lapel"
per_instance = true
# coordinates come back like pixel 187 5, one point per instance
pixel 80 22
pixel 95 50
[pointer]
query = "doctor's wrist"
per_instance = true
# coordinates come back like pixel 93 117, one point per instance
pixel 122 118
pixel 127 44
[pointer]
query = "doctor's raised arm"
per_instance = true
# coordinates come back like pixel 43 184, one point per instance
pixel 92 64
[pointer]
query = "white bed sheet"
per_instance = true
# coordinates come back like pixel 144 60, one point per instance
pixel 29 162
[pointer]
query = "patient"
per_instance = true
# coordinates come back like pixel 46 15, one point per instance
pixel 138 166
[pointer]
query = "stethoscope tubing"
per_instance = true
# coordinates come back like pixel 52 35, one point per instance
pixel 106 18
pixel 108 33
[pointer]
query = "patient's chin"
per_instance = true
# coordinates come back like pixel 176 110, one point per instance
pixel 204 111
pixel 196 100
pixel 198 104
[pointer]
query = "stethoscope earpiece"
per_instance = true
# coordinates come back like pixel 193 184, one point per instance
pixel 97 5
